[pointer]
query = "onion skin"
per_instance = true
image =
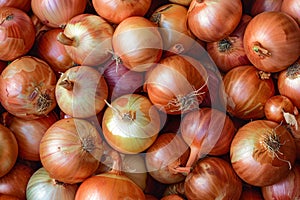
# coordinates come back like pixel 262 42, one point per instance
pixel 286 188
pixel 247 92
pixel 212 178
pixel 291 7
pixel 203 15
pixel 24 5
pixel 172 197
pixel 259 6
pixel 55 13
pixel 70 150
pixel 125 9
pixel 262 152
pixel 17 33
pixel 42 187
pixel 271 41
pixel 9 150
pixel 27 88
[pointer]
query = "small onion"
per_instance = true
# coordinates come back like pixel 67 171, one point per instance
pixel 27 88
pixel 87 39
pixel 17 33
pixel 262 152
pixel 42 187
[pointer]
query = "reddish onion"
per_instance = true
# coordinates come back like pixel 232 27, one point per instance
pixel 42 187
pixel 9 150
pixel 27 88
pixel 131 123
pixel 87 39
pixel 262 152
pixel 137 43
pixel 289 83
pixel 24 5
pixel 212 20
pixel 56 13
pixel 53 52
pixel 291 7
pixel 247 91
pixel 17 33
pixel 70 150
pixel 15 182
pixel 271 41
pixel 212 178
pixel 229 52
pixel 286 188
pixel 259 6
pixel 29 134
pixel 80 92
pixel 178 84
pixel 108 9
pixel 168 152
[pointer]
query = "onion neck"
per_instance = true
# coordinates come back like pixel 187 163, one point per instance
pixel 7 18
pixel 260 50
pixel 127 116
pixel 67 84
pixel 63 39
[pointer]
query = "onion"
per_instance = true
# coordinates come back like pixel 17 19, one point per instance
pixel 108 9
pixel 177 85
pixel 247 90
pixel 42 187
pixel 137 43
pixel 181 2
pixel 286 188
pixel 212 178
pixel 29 134
pixel 289 83
pixel 15 182
pixel 110 185
pixel 17 33
pixel 212 21
pixel 168 153
pixel 9 150
pixel 27 88
pixel 87 39
pixel 259 6
pixel 229 52
pixel 56 13
pixel 262 152
pixel 291 7
pixel 53 52
pixel 80 92
pixel 24 5
pixel 131 124
pixel 70 150
pixel 271 41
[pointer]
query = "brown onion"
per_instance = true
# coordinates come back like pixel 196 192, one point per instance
pixel 56 13
pixel 259 6
pixel 291 7
pixel 212 178
pixel 271 41
pixel 262 152
pixel 87 39
pixel 17 33
pixel 24 5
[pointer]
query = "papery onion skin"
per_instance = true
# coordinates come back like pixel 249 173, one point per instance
pixel 56 13
pixel 87 39
pixel 8 150
pixel 24 5
pixel 131 124
pixel 271 41
pixel 203 15
pixel 17 33
pixel 53 52
pixel 247 92
pixel 27 88
pixel 168 152
pixel 138 43
pixel 286 188
pixel 42 187
pixel 212 178
pixel 80 92
pixel 70 150
pixel 289 83
pixel 108 9
pixel 15 182
pixel 177 85
pixel 29 134
pixel 259 6
pixel 262 152
pixel 291 7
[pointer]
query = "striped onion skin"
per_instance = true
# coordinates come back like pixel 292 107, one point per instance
pixel 42 187
pixel 247 90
